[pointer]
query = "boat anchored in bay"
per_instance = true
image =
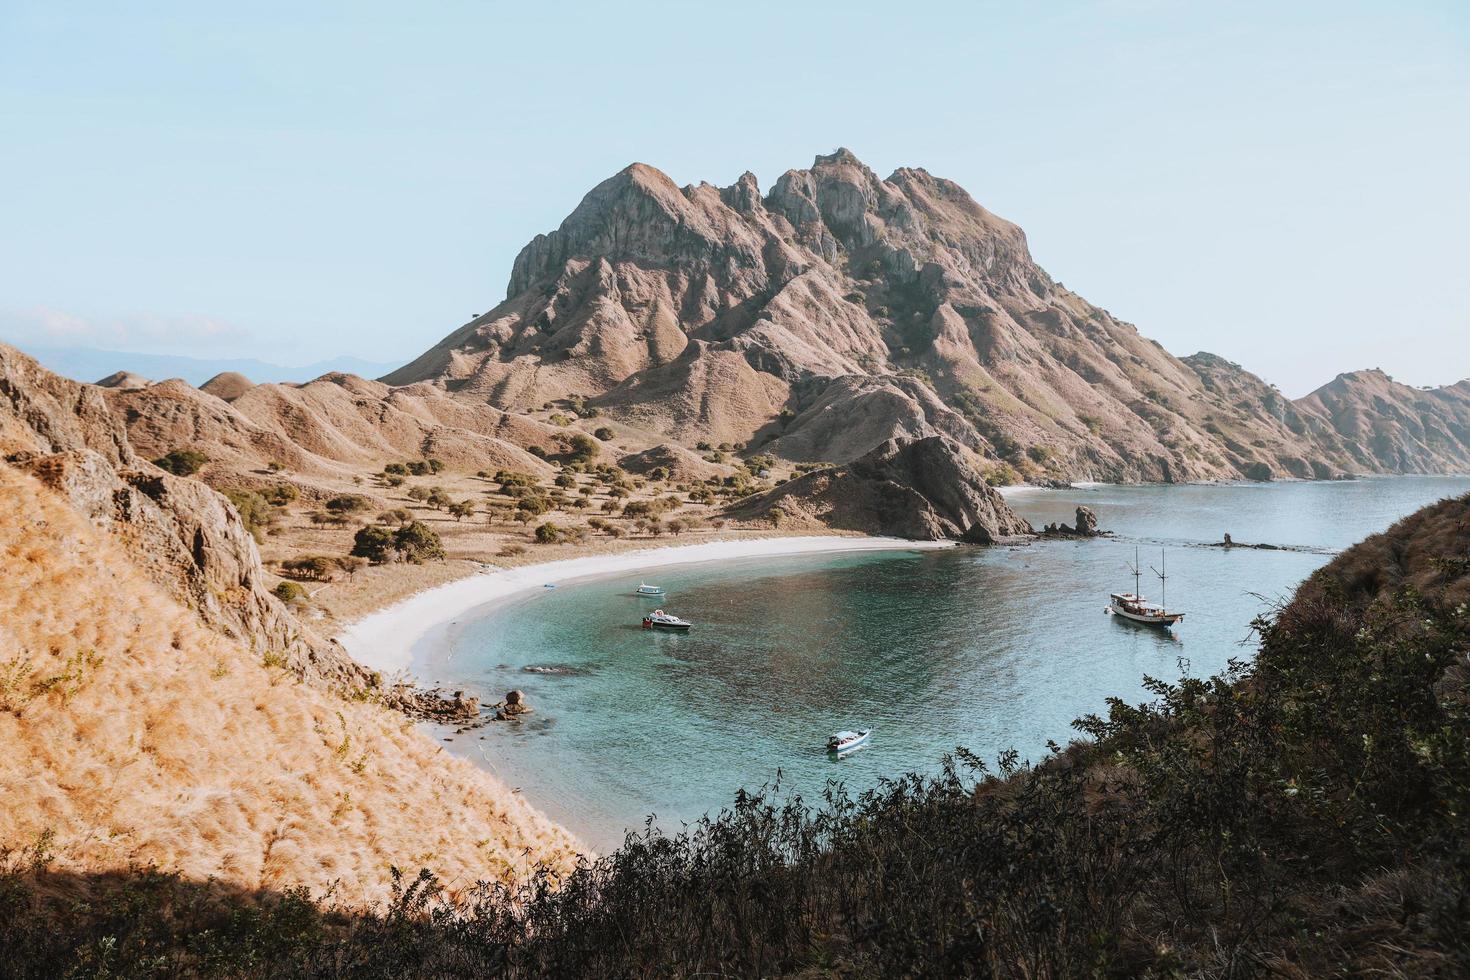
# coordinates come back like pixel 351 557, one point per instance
pixel 660 620
pixel 1133 606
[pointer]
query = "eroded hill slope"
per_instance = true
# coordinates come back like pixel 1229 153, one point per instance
pixel 135 735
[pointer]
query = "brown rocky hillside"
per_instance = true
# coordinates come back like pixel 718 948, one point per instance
pixel 135 736
pixel 839 310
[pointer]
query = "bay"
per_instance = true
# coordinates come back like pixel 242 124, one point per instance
pixel 985 648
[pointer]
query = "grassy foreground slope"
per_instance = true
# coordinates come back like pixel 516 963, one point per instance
pixel 1304 816
pixel 133 735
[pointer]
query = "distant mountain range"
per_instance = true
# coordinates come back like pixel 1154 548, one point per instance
pixel 840 310
pixel 814 322
pixel 90 364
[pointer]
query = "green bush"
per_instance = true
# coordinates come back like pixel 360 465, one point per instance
pixel 548 533
pixel 288 591
pixel 182 462
pixel 418 543
pixel 346 503
pixel 376 544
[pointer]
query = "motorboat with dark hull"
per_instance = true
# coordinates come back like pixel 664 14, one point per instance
pixel 660 620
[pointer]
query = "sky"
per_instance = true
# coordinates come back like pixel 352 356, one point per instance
pixel 1284 184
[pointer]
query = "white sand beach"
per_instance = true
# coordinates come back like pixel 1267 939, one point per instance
pixel 384 640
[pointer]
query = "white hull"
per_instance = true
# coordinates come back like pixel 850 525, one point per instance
pixel 1168 619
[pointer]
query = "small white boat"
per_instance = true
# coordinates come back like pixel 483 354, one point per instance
pixel 650 590
pixel 660 620
pixel 1133 606
pixel 845 741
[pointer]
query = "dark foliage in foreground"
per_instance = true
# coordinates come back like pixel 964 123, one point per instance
pixel 1302 816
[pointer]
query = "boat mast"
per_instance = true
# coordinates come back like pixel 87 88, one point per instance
pixel 1163 595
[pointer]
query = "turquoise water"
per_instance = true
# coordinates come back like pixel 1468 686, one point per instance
pixel 982 648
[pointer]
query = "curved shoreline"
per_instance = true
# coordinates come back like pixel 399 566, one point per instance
pixel 384 640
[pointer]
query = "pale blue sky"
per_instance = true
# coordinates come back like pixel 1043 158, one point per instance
pixel 1281 183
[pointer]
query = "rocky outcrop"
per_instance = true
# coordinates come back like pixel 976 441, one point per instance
pixel 924 489
pixel 1086 526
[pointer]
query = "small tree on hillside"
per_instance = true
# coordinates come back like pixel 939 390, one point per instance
pixel 182 462
pixel 418 543
pixel 376 544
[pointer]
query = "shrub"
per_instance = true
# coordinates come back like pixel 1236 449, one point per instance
pixel 583 448
pixel 316 568
pixel 548 533
pixel 418 543
pixel 397 515
pixel 536 451
pixel 346 503
pixel 281 494
pixel 438 498
pixel 288 591
pixel 376 544
pixel 604 433
pixel 461 509
pixel 394 481
pixel 420 494
pixel 533 504
pixel 182 462
pixel 395 469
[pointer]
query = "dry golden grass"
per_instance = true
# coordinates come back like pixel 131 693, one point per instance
pixel 132 734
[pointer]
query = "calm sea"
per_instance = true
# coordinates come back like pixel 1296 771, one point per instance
pixel 982 648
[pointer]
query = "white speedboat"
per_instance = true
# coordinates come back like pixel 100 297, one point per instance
pixel 660 620
pixel 840 742
pixel 1133 606
pixel 650 590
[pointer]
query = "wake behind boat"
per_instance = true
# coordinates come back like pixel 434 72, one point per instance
pixel 1133 606
pixel 660 620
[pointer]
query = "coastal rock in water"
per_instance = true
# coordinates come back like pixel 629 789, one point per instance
pixel 1086 526
pixel 513 706
pixel 1086 522
pixel 925 489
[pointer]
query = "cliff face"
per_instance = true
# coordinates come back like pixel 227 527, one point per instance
pixel 183 535
pixel 925 489
pixel 840 310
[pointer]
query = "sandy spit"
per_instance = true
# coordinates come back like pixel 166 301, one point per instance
pixel 384 640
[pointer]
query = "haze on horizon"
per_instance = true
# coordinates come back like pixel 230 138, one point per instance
pixel 1284 187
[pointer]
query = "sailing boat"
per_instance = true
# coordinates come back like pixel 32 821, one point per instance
pixel 1132 605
